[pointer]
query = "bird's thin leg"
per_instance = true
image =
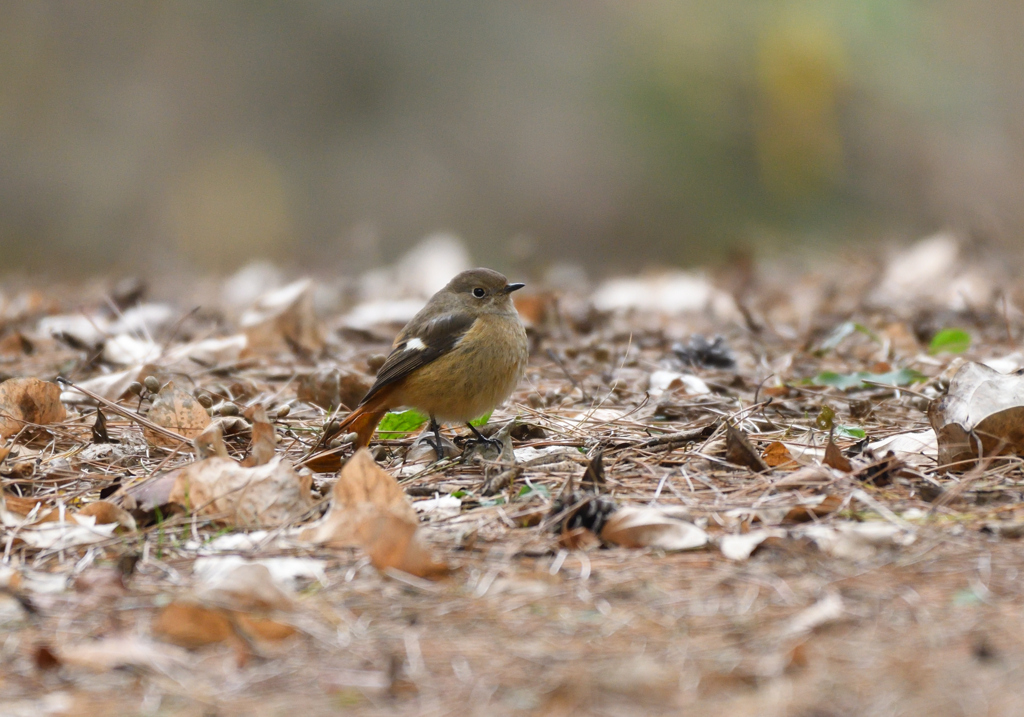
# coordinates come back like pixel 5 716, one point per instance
pixel 437 445
pixel 481 438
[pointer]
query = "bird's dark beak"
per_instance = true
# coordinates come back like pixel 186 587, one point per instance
pixel 513 287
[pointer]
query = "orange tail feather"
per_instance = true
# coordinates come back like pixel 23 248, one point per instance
pixel 363 421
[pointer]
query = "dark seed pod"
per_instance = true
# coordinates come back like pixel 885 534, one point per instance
pixel 227 409
pixel 582 509
pixel 152 384
pixel 205 399
pixel 135 388
pixel 283 410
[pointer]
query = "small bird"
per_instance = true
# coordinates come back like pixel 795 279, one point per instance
pixel 458 358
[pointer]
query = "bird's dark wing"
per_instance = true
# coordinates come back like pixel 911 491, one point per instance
pixel 418 345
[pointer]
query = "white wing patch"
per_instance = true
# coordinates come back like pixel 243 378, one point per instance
pixel 415 344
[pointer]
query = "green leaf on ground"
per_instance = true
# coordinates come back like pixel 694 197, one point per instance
pixel 951 341
pixel 529 490
pixel 482 421
pixel 849 431
pixel 398 425
pixel 847 381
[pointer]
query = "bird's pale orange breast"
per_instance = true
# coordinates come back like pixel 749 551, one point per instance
pixel 474 377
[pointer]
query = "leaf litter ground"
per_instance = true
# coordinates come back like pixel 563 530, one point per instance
pixel 888 584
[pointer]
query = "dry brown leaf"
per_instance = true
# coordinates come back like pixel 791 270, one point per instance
pixel 210 442
pixel 331 388
pixel 261 628
pixel 192 626
pixel 264 437
pixel 270 495
pixel 739 452
pixel 325 462
pixel 776 455
pixel 834 457
pixel 363 481
pixel 28 400
pixel 23 506
pixel 391 542
pixel 283 319
pixel 177 410
pixel 57 530
pixel 106 512
pixel 370 510
pixel 856 541
pixel 225 614
pixel 103 512
pixel 805 513
pixel 982 413
pixel 150 494
pixel 741 546
pixel 110 386
pixel 642 527
pixel 777 391
pixel 249 587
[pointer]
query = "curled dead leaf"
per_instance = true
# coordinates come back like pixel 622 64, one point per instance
pixel 264 437
pixel 642 527
pixel 981 414
pixel 192 625
pixel 262 496
pixel 739 452
pixel 210 442
pixel 776 455
pixel 22 507
pixel 261 628
pixel 106 512
pixel 177 410
pixel 810 511
pixel 834 457
pixel 371 511
pixel 28 400
pixel 248 587
pixel 330 388
pixel 283 319
pixel 742 545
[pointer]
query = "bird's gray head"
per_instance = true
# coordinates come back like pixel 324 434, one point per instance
pixel 481 290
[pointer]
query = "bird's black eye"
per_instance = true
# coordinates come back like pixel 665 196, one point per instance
pixel 479 293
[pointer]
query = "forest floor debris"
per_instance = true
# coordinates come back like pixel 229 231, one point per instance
pixel 763 522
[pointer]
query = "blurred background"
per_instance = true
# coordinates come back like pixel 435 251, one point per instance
pixel 617 135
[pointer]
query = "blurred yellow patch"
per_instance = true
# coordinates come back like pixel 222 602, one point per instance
pixel 800 68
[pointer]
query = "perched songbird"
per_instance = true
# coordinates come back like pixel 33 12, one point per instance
pixel 457 359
